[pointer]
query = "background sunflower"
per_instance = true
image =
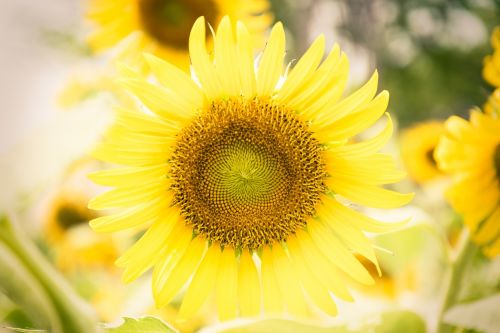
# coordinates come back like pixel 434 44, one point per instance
pixel 162 27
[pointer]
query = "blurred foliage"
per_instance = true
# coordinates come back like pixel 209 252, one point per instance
pixel 389 322
pixel 429 69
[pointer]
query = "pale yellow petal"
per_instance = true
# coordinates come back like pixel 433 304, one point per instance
pixel 370 195
pixel 318 264
pixel 351 236
pixel 337 253
pixel 202 284
pixel 376 169
pixel 303 71
pixel 147 250
pixel 176 80
pixel 325 88
pixel 202 65
pixel 129 175
pixel 226 61
pixel 358 100
pixel 288 282
pixel 160 100
pixel 271 65
pixel 171 274
pixel 366 147
pixel 249 290
pixel 132 217
pixel 315 289
pixel 273 299
pixel 352 124
pixel 227 285
pixel 129 196
pixel 141 122
pixel 245 58
pixel 359 220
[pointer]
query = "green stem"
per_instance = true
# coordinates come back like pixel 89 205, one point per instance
pixel 75 315
pixel 465 253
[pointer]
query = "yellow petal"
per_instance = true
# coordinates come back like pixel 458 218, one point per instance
pixel 132 217
pixel 351 236
pixel 337 253
pixel 273 300
pixel 129 176
pixel 271 64
pixel 202 284
pixel 317 263
pixel 376 169
pixel 303 71
pixel 226 61
pixel 176 80
pixel 359 220
pixel 315 289
pixel 367 147
pixel 147 250
pixel 141 122
pixel 226 286
pixel 129 196
pixel 202 65
pixel 171 274
pixel 288 282
pixel 245 58
pixel 370 195
pixel 354 123
pixel 248 286
pixel 160 100
pixel 325 88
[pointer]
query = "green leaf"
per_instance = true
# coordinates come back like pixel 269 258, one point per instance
pixel 141 325
pixel 482 315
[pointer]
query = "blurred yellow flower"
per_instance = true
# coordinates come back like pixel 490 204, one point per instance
pixel 492 106
pixel 66 229
pixel 85 85
pixel 491 66
pixel 162 27
pixel 238 171
pixel 470 152
pixel 417 150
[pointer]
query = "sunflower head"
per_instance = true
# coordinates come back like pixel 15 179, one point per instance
pixel 241 174
pixel 470 152
pixel 162 27
pixel 417 150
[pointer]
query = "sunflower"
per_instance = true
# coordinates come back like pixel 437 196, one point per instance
pixel 417 150
pixel 162 27
pixel 491 66
pixel 65 224
pixel 470 151
pixel 492 105
pixel 238 172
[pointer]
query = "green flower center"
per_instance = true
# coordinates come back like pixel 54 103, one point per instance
pixel 247 173
pixel 169 21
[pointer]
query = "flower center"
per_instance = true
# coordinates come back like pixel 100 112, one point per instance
pixel 69 216
pixel 430 157
pixel 169 21
pixel 247 173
